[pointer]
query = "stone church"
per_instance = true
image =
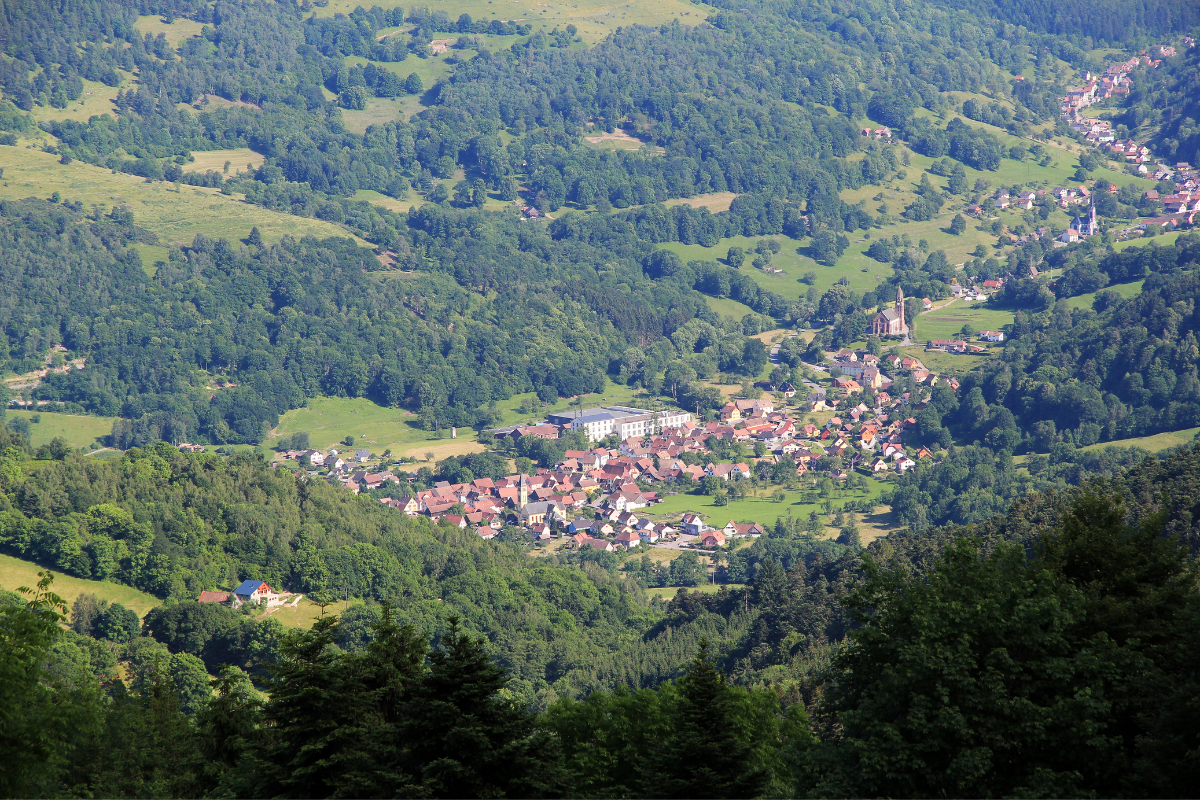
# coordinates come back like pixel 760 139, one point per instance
pixel 890 322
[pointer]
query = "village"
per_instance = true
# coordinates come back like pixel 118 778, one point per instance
pixel 605 497
pixel 1178 207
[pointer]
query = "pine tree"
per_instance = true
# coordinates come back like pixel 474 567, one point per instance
pixel 707 753
pixel 465 739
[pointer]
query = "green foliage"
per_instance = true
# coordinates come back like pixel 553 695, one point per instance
pixel 1004 674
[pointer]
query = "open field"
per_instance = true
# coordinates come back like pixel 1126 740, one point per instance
pixel 762 510
pixel 1126 290
pixel 175 32
pixel 667 592
pixel 946 322
pixel 1154 443
pixel 594 22
pixel 239 158
pixel 151 254
pixel 77 429
pixel 946 363
pixel 1162 240
pixel 715 202
pixel 303 614
pixel 728 308
pixel 16 572
pixel 97 99
pixel 175 217
pixel 329 420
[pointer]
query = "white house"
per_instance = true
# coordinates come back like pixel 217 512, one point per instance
pixel 257 592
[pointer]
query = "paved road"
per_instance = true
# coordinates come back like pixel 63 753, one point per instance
pixel 678 544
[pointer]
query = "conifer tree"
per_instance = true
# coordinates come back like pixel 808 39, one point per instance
pixel 465 739
pixel 707 753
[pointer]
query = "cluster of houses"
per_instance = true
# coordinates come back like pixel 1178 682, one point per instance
pixel 331 459
pixel 1179 208
pixel 883 132
pixel 975 291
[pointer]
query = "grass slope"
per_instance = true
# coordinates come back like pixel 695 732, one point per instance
pixel 77 429
pixel 16 572
pixel 239 159
pixel 947 321
pixel 594 22
pixel 175 217
pixel 1154 443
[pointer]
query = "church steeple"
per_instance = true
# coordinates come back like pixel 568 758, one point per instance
pixel 900 309
pixel 523 493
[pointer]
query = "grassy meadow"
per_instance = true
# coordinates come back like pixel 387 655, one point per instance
pixel 764 510
pixel 946 322
pixel 240 159
pixel 1126 290
pixel 594 22
pixel 175 32
pixel 329 420
pixel 79 430
pixel 667 592
pixel 16 572
pixel 175 216
pixel 1154 443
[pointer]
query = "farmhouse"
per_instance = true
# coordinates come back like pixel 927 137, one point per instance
pixel 257 592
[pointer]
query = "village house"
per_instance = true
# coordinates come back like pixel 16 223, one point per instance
pixel 258 593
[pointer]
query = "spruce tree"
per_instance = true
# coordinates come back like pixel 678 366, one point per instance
pixel 465 739
pixel 707 753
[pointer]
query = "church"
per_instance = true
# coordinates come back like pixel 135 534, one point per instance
pixel 890 322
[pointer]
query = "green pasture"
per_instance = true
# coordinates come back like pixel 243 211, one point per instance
pixel 728 308
pixel 303 614
pixel 97 99
pixel 716 202
pixel 1124 289
pixel 15 572
pixel 594 22
pixel 667 592
pixel 1154 443
pixel 1161 240
pixel 329 420
pixel 151 254
pixel 79 430
pixel 240 159
pixel 762 509
pixel 175 32
pixel 946 322
pixel 175 216
pixel 947 363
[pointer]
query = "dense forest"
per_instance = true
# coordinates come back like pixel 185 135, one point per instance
pixel 301 318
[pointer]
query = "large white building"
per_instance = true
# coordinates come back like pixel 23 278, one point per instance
pixel 624 421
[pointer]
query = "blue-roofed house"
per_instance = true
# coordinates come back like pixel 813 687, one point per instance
pixel 256 592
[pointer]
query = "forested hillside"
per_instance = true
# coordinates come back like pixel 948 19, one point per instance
pixel 302 318
pixel 1091 581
